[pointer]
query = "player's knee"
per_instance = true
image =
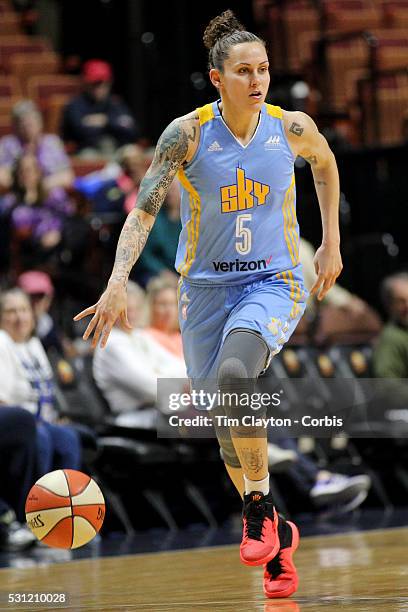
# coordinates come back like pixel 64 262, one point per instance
pixel 231 370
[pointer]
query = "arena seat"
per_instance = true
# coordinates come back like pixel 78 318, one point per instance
pixel 351 15
pixel 392 48
pixel 9 23
pixel 5 125
pixel 346 61
pixel 41 88
pixel 19 43
pixel 24 66
pixel 9 87
pixel 391 93
pixel 283 29
pixel 395 13
pixel 53 112
pixel 82 167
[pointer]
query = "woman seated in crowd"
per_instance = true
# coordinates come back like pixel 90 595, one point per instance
pixel 27 381
pixel 28 137
pixel 36 215
pixel 164 327
pixel 127 369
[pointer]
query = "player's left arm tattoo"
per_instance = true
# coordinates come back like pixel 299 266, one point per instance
pixel 296 129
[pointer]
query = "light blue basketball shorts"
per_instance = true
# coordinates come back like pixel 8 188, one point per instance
pixel 271 306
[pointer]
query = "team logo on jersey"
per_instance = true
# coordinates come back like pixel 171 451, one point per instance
pixel 272 143
pixel 273 325
pixel 244 194
pixel 215 146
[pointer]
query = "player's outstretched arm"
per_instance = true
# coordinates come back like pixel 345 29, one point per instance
pixel 306 141
pixel 171 152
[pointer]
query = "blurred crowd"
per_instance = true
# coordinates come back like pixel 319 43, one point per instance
pixel 51 266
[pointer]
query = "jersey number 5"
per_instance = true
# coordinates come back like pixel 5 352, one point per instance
pixel 243 234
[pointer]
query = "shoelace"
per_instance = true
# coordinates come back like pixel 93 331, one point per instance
pixel 255 516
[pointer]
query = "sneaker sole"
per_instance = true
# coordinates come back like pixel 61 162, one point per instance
pixel 289 591
pixel 340 497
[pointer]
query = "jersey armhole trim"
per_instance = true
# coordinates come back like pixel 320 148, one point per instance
pixel 274 111
pixel 205 114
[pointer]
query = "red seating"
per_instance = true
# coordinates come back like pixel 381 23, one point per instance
pixel 285 27
pixel 9 23
pixel 10 45
pixel 53 112
pixel 352 15
pixel 9 86
pixel 392 97
pixel 347 61
pixel 40 88
pixel 24 66
pixel 81 167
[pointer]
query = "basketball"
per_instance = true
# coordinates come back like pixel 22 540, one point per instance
pixel 65 509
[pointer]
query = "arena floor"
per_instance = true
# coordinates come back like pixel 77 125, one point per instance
pixel 362 571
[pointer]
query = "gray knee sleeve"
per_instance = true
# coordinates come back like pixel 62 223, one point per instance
pixel 243 356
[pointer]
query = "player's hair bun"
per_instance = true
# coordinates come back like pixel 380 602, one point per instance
pixel 221 26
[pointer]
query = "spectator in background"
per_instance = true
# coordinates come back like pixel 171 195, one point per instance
pixel 340 311
pixel 337 296
pixel 159 253
pixel 96 121
pixel 17 459
pixel 38 286
pixel 28 137
pixel 164 327
pixel 36 214
pixel 390 358
pixel 119 194
pixel 127 369
pixel 27 381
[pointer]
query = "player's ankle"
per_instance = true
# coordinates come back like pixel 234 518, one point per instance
pixel 257 485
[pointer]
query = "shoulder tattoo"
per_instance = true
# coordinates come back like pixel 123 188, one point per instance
pixel 296 129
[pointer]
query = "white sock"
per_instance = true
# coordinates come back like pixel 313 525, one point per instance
pixel 257 485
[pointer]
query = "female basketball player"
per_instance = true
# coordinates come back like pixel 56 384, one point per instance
pixel 241 291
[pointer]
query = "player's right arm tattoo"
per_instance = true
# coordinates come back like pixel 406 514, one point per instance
pixel 170 153
pixel 251 459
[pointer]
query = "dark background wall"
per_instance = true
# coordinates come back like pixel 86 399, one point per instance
pixel 155 47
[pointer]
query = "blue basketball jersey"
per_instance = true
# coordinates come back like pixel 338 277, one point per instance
pixel 238 203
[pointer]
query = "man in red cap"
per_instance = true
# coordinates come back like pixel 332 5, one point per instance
pixel 96 121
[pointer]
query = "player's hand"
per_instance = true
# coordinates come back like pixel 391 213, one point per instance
pixel 111 306
pixel 328 265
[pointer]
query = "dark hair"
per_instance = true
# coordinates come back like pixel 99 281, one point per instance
pixel 222 33
pixel 387 288
pixel 17 188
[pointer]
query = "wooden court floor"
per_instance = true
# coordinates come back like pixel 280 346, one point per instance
pixel 363 571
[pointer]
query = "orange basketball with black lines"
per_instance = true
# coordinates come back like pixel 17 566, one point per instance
pixel 65 509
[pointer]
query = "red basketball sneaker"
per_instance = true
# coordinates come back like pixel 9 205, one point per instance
pixel 280 575
pixel 260 540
